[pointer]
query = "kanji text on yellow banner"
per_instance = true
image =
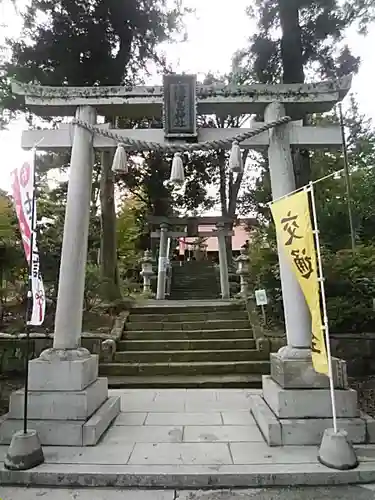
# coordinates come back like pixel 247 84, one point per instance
pixel 295 236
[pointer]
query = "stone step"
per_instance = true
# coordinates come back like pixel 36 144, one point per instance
pixel 204 291
pixel 166 335
pixel 198 293
pixel 196 287
pixel 193 271
pixel 203 283
pixel 191 325
pixel 192 278
pixel 205 316
pixel 191 274
pixel 200 307
pixel 193 296
pixel 187 368
pixel 189 356
pixel 199 275
pixel 185 345
pixel 252 381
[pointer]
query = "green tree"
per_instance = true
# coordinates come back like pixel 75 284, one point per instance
pixel 51 203
pixel 297 40
pixel 131 224
pixel 349 277
pixel 12 261
pixel 102 42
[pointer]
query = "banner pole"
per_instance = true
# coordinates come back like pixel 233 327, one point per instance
pixel 324 304
pixel 29 304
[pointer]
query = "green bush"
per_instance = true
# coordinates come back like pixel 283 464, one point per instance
pixel 349 285
pixel 264 274
pixel 350 289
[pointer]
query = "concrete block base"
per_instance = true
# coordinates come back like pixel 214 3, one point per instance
pixel 68 404
pixel 309 431
pixel 295 432
pixel 300 374
pixel 336 451
pixel 295 407
pixel 267 421
pixel 68 432
pixel 370 427
pixel 25 451
pixel 56 375
pixel 311 403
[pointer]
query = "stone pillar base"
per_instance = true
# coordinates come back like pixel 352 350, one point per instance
pixel 68 405
pixel 295 406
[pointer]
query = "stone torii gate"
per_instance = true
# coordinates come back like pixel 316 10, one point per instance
pixel 67 374
pixel 191 225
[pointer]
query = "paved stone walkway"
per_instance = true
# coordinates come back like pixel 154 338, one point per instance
pixel 183 439
pixel 333 493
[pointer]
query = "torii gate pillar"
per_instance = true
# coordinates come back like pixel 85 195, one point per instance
pixel 68 405
pixel 297 316
pixel 68 321
pixel 295 407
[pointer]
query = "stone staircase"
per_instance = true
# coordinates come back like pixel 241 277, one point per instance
pixel 195 280
pixel 187 344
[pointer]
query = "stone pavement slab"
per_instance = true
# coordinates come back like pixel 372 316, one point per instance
pixel 180 454
pixel 160 441
pixel 259 453
pixel 238 418
pixel 12 493
pixel 333 493
pixel 130 419
pixel 223 433
pixel 143 434
pixel 209 418
pixel 338 493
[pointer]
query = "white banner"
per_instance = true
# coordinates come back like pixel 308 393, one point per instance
pixel 23 197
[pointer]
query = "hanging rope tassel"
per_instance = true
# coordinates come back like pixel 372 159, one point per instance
pixel 177 172
pixel 120 160
pixel 235 159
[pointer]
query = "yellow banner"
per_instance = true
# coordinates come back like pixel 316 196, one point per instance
pixel 295 235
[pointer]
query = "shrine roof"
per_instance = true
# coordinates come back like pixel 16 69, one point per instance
pixel 147 101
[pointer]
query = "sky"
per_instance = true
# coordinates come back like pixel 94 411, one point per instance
pixel 215 33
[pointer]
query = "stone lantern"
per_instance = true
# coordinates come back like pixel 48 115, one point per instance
pixel 243 270
pixel 147 272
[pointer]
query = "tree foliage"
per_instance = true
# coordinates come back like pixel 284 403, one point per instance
pixel 299 39
pixel 96 43
pixel 101 42
pixel 349 276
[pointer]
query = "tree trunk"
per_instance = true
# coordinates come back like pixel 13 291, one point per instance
pixel 292 61
pixel 223 184
pixel 228 200
pixel 108 247
pixel 291 42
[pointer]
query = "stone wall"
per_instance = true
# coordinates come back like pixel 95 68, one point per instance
pixel 13 347
pixel 357 349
